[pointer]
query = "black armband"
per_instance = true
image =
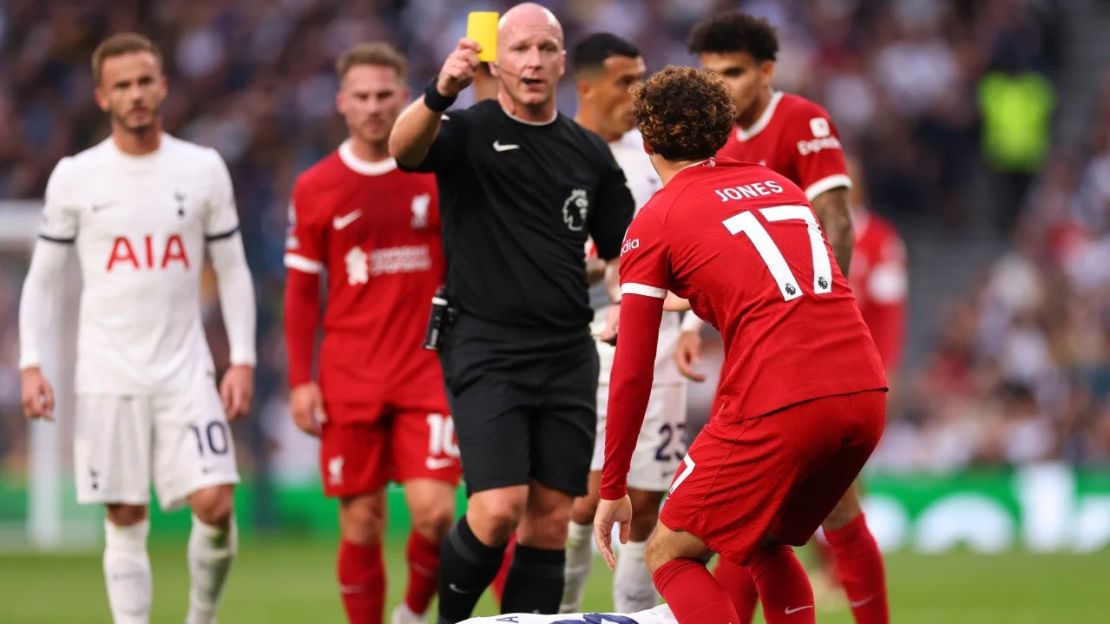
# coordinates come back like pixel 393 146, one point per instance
pixel 435 100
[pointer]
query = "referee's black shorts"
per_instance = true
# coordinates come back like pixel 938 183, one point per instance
pixel 524 404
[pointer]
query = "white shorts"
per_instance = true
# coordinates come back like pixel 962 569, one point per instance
pixel 662 442
pixel 122 442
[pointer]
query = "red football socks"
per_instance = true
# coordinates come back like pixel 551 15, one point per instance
pixel 361 581
pixel 693 594
pixel 423 560
pixel 784 588
pixel 859 566
pixel 738 584
pixel 498 585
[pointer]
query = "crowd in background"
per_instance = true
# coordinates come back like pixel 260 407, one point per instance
pixel 1020 368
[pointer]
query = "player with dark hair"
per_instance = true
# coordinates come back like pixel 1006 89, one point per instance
pixel 606 68
pixel 796 138
pixel 802 399
pixel 380 409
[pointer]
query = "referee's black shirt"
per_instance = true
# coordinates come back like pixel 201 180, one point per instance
pixel 517 201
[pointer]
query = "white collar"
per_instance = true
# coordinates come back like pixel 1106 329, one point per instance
pixel 358 165
pixel 764 119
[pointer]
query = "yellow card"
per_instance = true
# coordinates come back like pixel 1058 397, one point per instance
pixel 481 26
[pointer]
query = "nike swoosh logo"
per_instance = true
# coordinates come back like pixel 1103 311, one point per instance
pixel 789 611
pixel 341 222
pixel 432 463
pixel 99 207
pixel 455 588
pixel 498 146
pixel 860 603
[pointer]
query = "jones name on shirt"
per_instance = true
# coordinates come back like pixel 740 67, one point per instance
pixel 748 191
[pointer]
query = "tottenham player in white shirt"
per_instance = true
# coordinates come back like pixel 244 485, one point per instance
pixel 605 68
pixel 141 209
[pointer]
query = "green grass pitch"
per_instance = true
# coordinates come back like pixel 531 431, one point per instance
pixel 286 580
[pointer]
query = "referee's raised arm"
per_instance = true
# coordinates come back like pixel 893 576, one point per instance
pixel 418 125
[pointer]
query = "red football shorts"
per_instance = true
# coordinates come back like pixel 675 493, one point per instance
pixel 777 475
pixel 361 454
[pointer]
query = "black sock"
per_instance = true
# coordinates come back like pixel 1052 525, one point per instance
pixel 466 568
pixel 535 581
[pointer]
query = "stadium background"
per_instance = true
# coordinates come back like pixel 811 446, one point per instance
pixel 984 131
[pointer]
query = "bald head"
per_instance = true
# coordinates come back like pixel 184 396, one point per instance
pixel 530 17
pixel 530 61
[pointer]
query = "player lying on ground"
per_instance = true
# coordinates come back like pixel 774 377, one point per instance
pixel 657 615
pixel 142 209
pixel 801 403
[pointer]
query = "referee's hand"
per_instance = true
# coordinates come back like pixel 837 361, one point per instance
pixel 459 68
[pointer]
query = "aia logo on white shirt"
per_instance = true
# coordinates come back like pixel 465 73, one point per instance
pixel 144 253
pixel 575 209
pixel 420 205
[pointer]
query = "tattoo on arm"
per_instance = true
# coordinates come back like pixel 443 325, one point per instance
pixel 834 213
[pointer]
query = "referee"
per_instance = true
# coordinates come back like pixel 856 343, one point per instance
pixel 521 188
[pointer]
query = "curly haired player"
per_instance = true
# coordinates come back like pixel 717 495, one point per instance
pixel 796 138
pixel 802 399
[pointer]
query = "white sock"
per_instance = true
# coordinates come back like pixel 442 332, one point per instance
pixel 127 572
pixel 211 549
pixel 579 557
pixel 633 589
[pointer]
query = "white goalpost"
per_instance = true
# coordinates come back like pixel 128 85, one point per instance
pixel 53 520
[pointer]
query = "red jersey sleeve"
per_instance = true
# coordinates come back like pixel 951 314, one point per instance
pixel 304 261
pixel 820 163
pixel 886 287
pixel 644 280
pixel 305 241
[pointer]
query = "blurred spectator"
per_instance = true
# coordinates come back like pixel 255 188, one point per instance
pixel 1020 370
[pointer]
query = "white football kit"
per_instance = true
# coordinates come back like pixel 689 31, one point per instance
pixel 662 442
pixel 657 615
pixel 147 406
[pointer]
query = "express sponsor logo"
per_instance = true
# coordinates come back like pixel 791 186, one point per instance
pixel 816 145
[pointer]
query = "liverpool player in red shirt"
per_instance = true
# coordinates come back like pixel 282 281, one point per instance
pixel 796 138
pixel 801 403
pixel 879 277
pixel 380 408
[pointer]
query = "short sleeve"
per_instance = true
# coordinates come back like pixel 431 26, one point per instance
pixel 305 241
pixel 447 146
pixel 60 213
pixel 645 257
pixel 615 207
pixel 222 219
pixel 820 159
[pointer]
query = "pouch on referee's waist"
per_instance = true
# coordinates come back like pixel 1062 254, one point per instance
pixel 439 321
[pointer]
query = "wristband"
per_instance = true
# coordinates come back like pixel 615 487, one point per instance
pixel 435 100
